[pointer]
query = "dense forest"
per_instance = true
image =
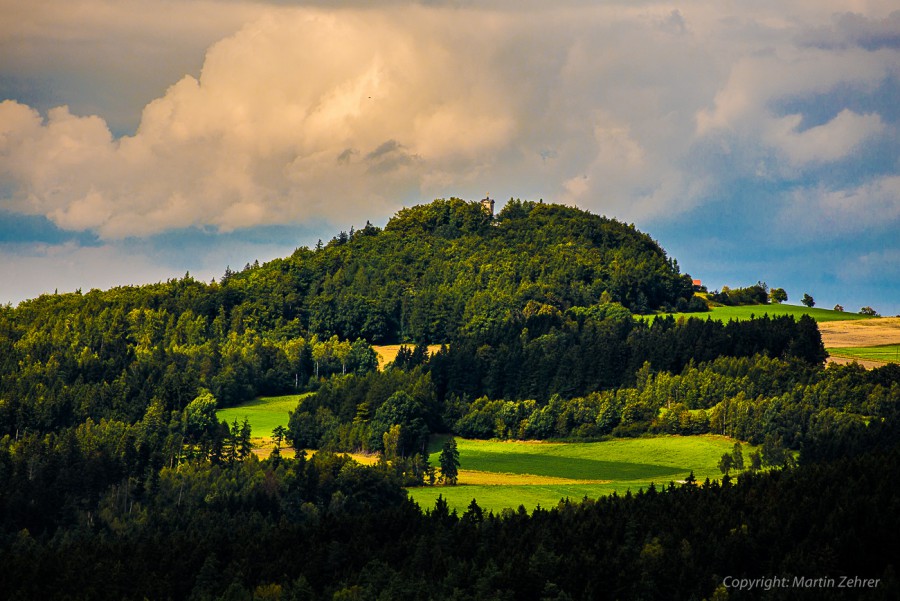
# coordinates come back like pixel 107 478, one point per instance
pixel 439 270
pixel 597 373
pixel 118 482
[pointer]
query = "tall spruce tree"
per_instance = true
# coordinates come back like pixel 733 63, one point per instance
pixel 449 462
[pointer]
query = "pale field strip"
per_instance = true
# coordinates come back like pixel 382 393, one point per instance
pixel 478 477
pixel 262 448
pixel 865 332
pixel 263 445
pixel 867 363
pixel 388 352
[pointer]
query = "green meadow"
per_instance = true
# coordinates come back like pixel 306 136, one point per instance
pixel 502 474
pixel 889 353
pixel 745 312
pixel 264 413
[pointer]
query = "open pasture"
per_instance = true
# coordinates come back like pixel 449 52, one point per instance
pixel 745 312
pixel 502 474
pixel 264 413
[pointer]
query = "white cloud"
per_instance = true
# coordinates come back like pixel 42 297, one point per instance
pixel 109 56
pixel 257 138
pixel 873 266
pixel 824 143
pixel 310 113
pixel 783 73
pixel 829 213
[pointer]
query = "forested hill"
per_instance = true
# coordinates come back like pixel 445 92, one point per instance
pixel 434 271
pixel 441 272
pixel 119 481
pixel 446 268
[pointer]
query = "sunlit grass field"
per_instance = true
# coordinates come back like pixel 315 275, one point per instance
pixel 745 312
pixel 511 473
pixel 502 474
pixel 888 352
pixel 264 413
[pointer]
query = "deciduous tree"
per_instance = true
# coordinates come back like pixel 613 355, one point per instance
pixel 738 456
pixel 726 463
pixel 777 295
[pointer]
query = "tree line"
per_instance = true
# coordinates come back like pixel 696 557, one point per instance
pixel 103 358
pixel 589 373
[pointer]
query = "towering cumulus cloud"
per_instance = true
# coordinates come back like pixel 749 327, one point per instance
pixel 294 115
pixel 641 110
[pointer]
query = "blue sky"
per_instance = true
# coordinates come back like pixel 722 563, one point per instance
pixel 146 138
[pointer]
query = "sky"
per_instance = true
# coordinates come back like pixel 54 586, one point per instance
pixel 755 141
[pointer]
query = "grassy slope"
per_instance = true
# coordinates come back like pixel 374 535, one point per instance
pixel 264 413
pixel 747 311
pixel 616 465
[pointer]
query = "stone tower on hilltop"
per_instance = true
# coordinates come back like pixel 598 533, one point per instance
pixel 488 205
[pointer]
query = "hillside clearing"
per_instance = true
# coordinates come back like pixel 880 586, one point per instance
pixel 263 413
pixel 502 474
pixel 745 312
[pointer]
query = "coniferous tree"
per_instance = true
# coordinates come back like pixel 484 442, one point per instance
pixel 449 461
pixel 737 456
pixel 755 461
pixel 245 447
